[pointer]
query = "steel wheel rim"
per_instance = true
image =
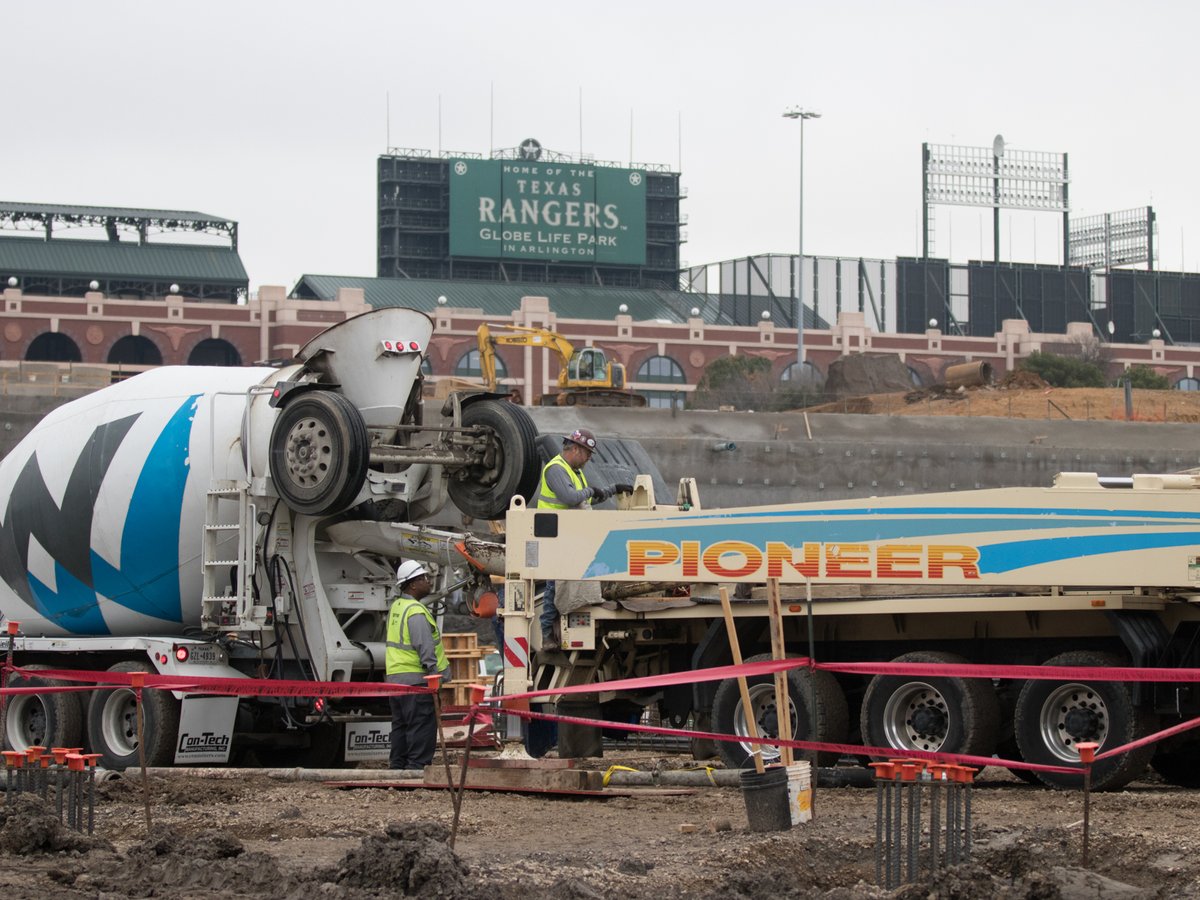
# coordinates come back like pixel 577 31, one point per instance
pixel 308 452
pixel 1065 700
pixel 762 706
pixel 26 722
pixel 903 705
pixel 119 722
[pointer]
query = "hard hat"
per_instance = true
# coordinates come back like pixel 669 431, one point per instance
pixel 583 438
pixel 408 570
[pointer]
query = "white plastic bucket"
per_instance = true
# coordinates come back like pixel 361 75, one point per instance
pixel 799 784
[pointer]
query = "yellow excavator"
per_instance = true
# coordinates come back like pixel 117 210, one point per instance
pixel 586 377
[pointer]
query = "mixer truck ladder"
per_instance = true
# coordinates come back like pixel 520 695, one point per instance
pixel 228 597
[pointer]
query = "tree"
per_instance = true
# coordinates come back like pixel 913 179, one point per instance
pixel 1145 378
pixel 1062 371
pixel 743 382
pixel 1091 349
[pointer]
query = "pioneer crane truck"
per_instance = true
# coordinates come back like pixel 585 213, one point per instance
pixel 246 523
pixel 1091 572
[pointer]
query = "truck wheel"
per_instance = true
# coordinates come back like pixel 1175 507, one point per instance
pixel 510 467
pixel 1053 716
pixel 833 718
pixel 41 720
pixel 1006 743
pixel 318 451
pixel 950 715
pixel 1177 760
pixel 325 750
pixel 112 723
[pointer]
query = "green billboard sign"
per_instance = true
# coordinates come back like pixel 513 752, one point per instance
pixel 564 212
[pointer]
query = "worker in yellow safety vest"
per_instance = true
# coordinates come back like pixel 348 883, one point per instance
pixel 414 650
pixel 564 486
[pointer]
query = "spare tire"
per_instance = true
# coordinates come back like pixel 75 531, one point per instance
pixel 510 467
pixel 319 453
pixel 42 720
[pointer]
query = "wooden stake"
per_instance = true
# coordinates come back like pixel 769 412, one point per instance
pixel 138 680
pixel 736 649
pixel 477 692
pixel 434 684
pixel 783 703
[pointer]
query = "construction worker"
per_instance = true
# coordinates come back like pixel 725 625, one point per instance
pixel 563 486
pixel 414 650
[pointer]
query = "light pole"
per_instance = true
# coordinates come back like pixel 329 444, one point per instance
pixel 795 112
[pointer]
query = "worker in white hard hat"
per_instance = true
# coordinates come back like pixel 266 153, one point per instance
pixel 414 650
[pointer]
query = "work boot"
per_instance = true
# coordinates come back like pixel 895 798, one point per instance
pixel 549 641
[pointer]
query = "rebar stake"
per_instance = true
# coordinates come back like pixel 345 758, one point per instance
pixel 1087 756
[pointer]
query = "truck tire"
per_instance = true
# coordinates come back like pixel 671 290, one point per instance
pixel 833 717
pixel 112 723
pixel 41 720
pixel 325 750
pixel 947 715
pixel 319 453
pixel 1051 717
pixel 483 491
pixel 1177 760
pixel 1006 744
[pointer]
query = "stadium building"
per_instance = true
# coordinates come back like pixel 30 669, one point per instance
pixel 584 248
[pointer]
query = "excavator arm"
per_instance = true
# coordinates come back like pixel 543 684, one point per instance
pixel 585 377
pixel 520 336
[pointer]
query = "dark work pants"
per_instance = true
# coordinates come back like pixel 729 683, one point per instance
pixel 414 731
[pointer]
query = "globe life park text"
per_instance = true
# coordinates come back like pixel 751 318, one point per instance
pixel 551 196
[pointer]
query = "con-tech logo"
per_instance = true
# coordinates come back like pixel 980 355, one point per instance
pixel 367 740
pixel 203 744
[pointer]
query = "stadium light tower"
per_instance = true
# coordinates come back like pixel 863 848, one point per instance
pixel 795 112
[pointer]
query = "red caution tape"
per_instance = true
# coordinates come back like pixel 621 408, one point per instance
pixel 825 746
pixel 1037 673
pixel 238 687
pixel 692 676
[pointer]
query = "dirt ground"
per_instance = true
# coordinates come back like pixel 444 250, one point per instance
pixel 258 837
pixel 1024 402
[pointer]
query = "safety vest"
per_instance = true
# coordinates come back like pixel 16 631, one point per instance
pixel 546 498
pixel 402 657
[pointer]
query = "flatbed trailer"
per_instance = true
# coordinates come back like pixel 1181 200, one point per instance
pixel 1091 572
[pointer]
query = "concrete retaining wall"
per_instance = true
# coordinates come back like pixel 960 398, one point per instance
pixel 780 458
pixel 751 459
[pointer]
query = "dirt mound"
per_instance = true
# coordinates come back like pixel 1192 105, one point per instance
pixel 412 859
pixel 866 373
pixel 31 825
pixel 210 844
pixel 1022 379
pixel 1012 401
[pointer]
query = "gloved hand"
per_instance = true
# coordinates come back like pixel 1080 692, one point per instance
pixel 623 488
pixel 599 494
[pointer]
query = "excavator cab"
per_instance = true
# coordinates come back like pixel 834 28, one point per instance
pixel 588 365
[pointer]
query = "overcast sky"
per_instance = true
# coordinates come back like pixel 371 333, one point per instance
pixel 273 113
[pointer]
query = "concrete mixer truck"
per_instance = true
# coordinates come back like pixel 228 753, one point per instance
pixel 244 522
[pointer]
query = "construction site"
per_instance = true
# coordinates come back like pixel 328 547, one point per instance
pixel 882 614
pixel 645 807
